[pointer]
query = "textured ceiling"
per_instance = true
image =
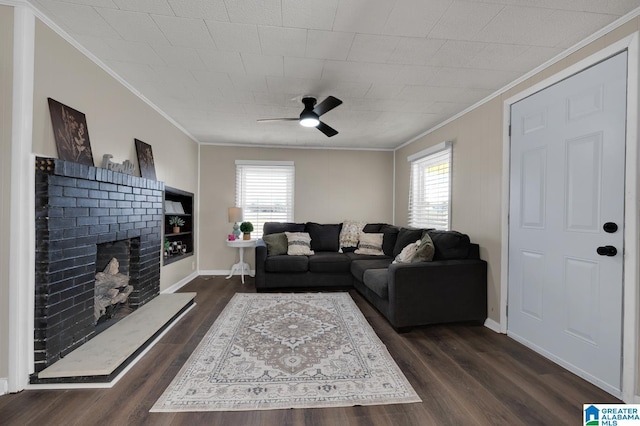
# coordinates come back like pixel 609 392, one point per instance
pixel 400 67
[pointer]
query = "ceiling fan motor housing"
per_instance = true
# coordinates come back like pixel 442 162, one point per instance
pixel 308 118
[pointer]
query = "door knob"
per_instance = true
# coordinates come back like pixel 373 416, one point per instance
pixel 610 227
pixel 607 251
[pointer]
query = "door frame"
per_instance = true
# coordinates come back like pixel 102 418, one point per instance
pixel 631 274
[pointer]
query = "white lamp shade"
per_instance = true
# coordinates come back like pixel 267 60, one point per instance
pixel 235 214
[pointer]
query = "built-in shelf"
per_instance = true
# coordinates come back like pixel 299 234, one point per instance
pixel 178 203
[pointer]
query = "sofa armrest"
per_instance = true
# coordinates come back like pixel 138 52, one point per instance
pixel 439 291
pixel 261 258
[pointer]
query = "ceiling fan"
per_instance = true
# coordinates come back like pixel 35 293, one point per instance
pixel 310 115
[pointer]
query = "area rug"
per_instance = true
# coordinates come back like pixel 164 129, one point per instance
pixel 274 351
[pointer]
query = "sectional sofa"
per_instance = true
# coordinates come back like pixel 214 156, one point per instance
pixel 451 287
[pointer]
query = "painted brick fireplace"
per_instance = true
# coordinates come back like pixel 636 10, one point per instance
pixel 79 207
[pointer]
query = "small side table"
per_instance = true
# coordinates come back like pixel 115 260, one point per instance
pixel 241 266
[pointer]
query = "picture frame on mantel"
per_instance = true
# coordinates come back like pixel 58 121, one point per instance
pixel 145 160
pixel 71 133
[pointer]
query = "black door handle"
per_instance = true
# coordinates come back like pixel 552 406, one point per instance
pixel 607 251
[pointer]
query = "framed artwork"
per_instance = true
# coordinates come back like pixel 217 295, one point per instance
pixel 70 133
pixel 145 160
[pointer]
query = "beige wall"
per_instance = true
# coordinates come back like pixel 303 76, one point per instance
pixel 6 89
pixel 330 186
pixel 477 167
pixel 114 118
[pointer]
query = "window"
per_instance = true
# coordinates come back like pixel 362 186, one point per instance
pixel 430 187
pixel 264 190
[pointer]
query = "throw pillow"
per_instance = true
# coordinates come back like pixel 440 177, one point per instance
pixel 350 233
pixel 276 244
pixel 406 236
pixel 370 244
pixel 299 244
pixel 407 253
pixel 324 237
pixel 425 250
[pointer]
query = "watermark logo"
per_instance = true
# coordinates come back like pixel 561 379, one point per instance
pixel 611 414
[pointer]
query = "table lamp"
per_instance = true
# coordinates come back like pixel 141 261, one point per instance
pixel 235 216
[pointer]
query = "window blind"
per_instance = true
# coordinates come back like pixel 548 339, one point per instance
pixel 430 188
pixel 264 190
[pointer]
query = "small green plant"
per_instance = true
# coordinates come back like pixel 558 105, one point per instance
pixel 246 227
pixel 176 221
pixel 167 244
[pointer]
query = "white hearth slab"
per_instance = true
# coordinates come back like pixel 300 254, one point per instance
pixel 103 354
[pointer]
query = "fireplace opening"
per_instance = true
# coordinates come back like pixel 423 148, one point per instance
pixel 113 283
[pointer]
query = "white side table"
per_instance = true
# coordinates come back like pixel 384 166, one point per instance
pixel 242 266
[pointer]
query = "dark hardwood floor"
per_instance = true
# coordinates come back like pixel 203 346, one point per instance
pixel 464 374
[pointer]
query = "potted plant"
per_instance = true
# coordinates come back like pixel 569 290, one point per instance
pixel 176 222
pixel 167 246
pixel 246 228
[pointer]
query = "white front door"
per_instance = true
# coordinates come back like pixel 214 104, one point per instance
pixel 566 200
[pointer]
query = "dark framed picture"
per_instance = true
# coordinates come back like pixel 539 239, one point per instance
pixel 145 160
pixel 71 133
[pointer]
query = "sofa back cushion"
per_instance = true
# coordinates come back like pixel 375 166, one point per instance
pixel 324 237
pixel 276 227
pixel 406 236
pixel 390 233
pixel 449 245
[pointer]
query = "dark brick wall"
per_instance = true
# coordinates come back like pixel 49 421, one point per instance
pixel 77 208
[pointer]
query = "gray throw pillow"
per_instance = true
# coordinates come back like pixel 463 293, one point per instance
pixel 276 244
pixel 425 251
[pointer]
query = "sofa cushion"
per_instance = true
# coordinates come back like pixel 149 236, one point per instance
pixel 390 237
pixel 359 266
pixel 354 256
pixel 449 245
pixel 285 263
pixel 299 244
pixel 370 244
pixel 350 233
pixel 425 251
pixel 324 237
pixel 276 243
pixel 325 261
pixel 406 236
pixel 275 227
pixel 376 281
pixel 372 228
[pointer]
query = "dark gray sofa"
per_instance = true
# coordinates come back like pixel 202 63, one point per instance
pixel 451 288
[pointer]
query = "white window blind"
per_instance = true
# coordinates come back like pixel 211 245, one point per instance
pixel 264 190
pixel 430 187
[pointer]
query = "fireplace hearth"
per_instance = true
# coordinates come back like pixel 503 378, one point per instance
pixel 78 209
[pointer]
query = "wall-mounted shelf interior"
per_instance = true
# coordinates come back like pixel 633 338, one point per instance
pixel 178 245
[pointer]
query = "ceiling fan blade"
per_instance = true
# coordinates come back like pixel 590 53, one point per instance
pixel 266 120
pixel 327 105
pixel 327 130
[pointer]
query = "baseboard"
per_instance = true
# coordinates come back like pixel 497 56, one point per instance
pixel 223 272
pixel 177 286
pixel 492 325
pixel 4 385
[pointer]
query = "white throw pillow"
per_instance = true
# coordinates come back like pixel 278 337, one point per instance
pixel 299 244
pixel 350 233
pixel 370 244
pixel 407 253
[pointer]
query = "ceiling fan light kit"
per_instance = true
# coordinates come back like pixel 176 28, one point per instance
pixel 310 115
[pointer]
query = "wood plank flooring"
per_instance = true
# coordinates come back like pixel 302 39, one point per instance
pixel 465 375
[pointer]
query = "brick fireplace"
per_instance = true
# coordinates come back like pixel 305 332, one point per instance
pixel 79 208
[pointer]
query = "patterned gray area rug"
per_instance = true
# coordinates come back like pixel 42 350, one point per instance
pixel 273 351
